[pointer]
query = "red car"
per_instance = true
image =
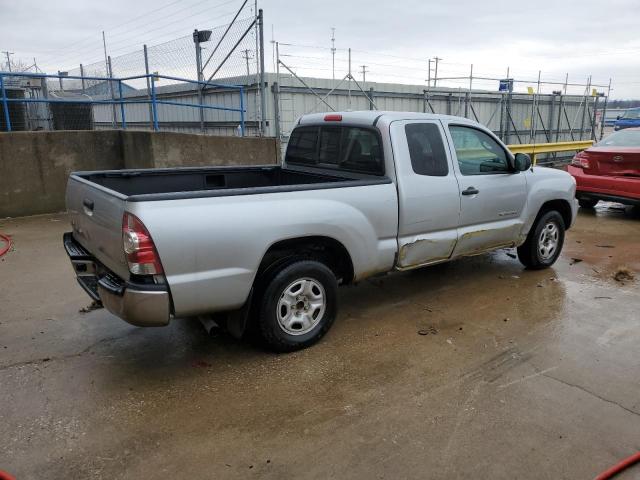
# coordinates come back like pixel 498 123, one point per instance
pixel 610 170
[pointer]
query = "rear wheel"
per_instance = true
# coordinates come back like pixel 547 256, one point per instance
pixel 298 306
pixel 544 242
pixel 587 202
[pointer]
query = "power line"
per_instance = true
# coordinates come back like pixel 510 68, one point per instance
pixel 158 24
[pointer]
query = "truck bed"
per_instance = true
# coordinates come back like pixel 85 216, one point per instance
pixel 175 183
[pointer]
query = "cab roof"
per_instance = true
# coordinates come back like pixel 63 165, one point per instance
pixel 373 117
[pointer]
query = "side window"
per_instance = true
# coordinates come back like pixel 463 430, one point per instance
pixel 426 149
pixel 361 151
pixel 302 145
pixel 477 152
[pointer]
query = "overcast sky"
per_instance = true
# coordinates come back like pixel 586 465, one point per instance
pixel 394 39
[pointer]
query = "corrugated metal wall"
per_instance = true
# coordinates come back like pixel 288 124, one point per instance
pixel 513 117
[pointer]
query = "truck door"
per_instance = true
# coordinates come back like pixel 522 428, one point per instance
pixel 428 193
pixel 492 194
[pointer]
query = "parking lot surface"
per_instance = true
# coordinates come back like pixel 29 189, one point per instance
pixel 474 369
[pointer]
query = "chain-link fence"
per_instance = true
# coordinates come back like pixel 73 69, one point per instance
pixel 539 110
pixel 187 76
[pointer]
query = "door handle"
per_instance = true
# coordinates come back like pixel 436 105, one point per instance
pixel 470 191
pixel 87 207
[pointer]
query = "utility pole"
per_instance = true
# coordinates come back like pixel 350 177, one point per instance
pixel 435 76
pixel 333 52
pixel 8 59
pixel 364 73
pixel 429 75
pixel 104 45
pixel 247 58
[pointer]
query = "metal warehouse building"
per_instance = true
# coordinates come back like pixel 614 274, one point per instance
pixel 515 117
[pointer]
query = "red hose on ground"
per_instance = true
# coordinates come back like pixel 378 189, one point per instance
pixel 4 250
pixel 624 464
pixel 6 476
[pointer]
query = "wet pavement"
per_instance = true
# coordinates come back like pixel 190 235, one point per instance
pixel 474 369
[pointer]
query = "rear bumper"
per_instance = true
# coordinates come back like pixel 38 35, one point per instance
pixel 143 305
pixel 609 188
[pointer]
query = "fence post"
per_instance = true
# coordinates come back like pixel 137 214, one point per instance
pixel 584 108
pixel 604 111
pixel 82 75
pixel 263 99
pixel 559 123
pixel 242 111
pixel 467 99
pixel 593 117
pixel 124 122
pixel 507 120
pixel 146 71
pixel 154 106
pixel 275 89
pixel 501 116
pixel 349 94
pixel 5 104
pixel 113 95
pixel 552 111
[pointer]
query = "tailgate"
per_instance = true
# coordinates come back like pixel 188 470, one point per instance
pixel 96 218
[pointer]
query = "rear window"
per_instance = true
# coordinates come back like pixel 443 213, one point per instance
pixel 426 149
pixel 353 149
pixel 623 138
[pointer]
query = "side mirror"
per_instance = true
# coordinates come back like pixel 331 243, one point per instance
pixel 618 117
pixel 522 162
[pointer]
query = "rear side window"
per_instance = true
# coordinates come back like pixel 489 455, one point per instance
pixel 426 149
pixel 353 149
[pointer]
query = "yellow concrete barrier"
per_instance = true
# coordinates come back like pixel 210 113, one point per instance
pixel 535 148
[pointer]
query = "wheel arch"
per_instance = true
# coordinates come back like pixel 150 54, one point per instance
pixel 328 250
pixel 561 206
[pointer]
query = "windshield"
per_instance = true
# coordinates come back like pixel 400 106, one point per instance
pixel 623 138
pixel 631 115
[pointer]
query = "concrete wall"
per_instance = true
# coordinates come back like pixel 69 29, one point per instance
pixel 34 166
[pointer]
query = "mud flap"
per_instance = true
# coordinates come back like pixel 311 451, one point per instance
pixel 238 320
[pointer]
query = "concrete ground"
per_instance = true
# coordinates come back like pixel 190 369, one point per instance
pixel 521 374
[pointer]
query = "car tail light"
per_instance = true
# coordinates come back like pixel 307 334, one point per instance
pixel 141 253
pixel 581 160
pixel 333 117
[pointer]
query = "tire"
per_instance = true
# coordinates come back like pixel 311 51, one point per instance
pixel 587 202
pixel 298 305
pixel 544 242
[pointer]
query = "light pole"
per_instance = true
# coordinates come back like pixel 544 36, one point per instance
pixel 200 36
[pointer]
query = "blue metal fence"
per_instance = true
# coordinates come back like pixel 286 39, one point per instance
pixel 155 99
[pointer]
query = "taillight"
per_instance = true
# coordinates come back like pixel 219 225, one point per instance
pixel 581 160
pixel 333 117
pixel 138 247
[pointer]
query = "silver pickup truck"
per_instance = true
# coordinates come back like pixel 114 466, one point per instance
pixel 358 194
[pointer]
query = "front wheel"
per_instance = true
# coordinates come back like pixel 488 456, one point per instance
pixel 544 242
pixel 298 306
